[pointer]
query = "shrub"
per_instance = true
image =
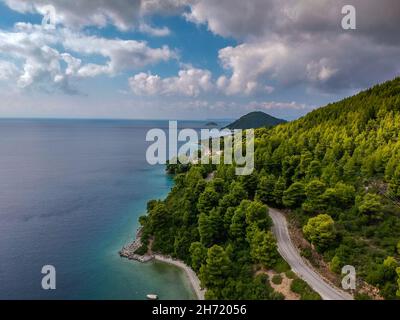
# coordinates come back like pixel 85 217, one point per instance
pixel 277 279
pixel 290 274
pixel 306 293
pixel 362 296
pixel 281 266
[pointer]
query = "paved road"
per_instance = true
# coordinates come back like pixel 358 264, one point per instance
pixel 293 258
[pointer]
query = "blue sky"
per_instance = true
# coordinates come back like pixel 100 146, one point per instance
pixel 186 59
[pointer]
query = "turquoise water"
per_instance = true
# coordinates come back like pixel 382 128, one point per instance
pixel 71 192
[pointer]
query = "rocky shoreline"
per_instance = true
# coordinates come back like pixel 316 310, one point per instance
pixel 128 251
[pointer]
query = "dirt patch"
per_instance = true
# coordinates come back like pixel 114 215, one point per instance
pixel 283 287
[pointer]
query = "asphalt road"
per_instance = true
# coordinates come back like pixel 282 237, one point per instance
pixel 296 262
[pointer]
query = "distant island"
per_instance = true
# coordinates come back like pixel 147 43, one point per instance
pixel 211 124
pixel 256 119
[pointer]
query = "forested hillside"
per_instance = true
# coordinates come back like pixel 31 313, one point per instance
pixel 337 169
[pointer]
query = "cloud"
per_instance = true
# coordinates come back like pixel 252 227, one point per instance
pixel 301 42
pixel 247 63
pixel 288 18
pixel 328 65
pixel 121 54
pixel 164 7
pixel 156 32
pixel 40 63
pixel 281 43
pixel 77 14
pixel 8 70
pixel 247 18
pixel 51 56
pixel 123 14
pixel 189 82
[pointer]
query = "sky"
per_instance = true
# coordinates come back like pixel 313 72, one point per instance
pixel 190 59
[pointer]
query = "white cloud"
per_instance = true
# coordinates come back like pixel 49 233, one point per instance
pixel 189 82
pixel 49 56
pixel 8 70
pixel 247 62
pixel 156 32
pixel 40 62
pixel 121 54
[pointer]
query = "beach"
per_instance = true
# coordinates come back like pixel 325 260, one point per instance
pixel 194 280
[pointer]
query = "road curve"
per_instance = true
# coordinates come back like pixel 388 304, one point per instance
pixel 296 262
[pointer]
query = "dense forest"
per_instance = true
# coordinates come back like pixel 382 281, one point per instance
pixel 337 169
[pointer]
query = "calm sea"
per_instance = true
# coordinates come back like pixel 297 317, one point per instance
pixel 71 192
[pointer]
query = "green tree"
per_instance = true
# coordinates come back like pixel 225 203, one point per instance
pixel 314 190
pixel 294 196
pixel 320 231
pixel 313 170
pixel 350 169
pixel 398 282
pixel 237 229
pixel 389 266
pixel 208 200
pixel 249 183
pixel 265 189
pixel 341 196
pixel 216 270
pixel 263 248
pixel 210 227
pixel 371 207
pixel 159 216
pixel 336 264
pixel 257 213
pixel 232 199
pixel 279 189
pixel 198 254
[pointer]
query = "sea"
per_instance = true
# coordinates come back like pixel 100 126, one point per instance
pixel 71 193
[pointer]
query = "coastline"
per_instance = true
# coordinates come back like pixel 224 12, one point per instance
pixel 128 252
pixel 192 276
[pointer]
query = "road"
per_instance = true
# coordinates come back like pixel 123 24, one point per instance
pixel 296 262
